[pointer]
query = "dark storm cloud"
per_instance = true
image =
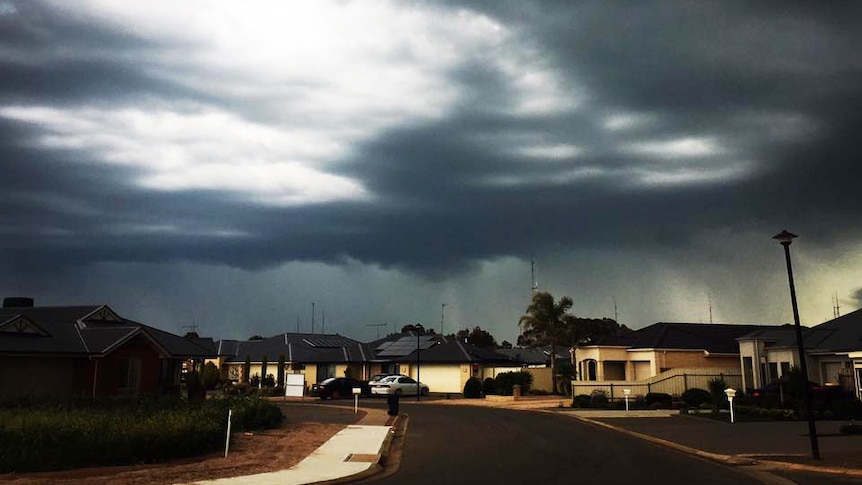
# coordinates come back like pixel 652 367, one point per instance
pixel 695 69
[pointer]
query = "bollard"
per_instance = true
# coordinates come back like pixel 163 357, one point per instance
pixel 392 400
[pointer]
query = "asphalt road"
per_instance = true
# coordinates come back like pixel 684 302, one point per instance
pixel 473 445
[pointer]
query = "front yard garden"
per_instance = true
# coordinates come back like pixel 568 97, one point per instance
pixel 57 436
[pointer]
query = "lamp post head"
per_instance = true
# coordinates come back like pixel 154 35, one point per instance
pixel 785 237
pixel 730 392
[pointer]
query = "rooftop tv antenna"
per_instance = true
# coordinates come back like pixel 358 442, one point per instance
pixel 535 282
pixel 836 309
pixel 709 300
pixel 312 317
pixel 616 317
pixel 323 320
pixel 378 325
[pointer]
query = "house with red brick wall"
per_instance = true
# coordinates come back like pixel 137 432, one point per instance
pixel 89 350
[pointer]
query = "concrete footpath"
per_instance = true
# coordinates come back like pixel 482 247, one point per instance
pixel 351 452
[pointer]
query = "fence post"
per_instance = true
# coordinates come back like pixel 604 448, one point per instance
pixel 685 382
pixel 648 388
pixel 612 390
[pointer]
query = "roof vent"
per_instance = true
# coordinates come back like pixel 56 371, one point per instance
pixel 18 302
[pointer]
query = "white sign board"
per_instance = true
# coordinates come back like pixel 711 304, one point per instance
pixel 294 385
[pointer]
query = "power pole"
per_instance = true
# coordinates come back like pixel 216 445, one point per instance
pixel 442 317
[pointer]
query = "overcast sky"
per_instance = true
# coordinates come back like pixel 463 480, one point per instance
pixel 226 164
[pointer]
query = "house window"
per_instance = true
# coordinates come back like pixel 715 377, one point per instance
pixel 390 369
pixel 785 369
pixel 591 370
pixel 748 372
pixel 325 371
pixel 130 377
pixel 773 371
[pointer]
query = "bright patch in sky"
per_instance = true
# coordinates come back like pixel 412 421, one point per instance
pixel 681 147
pixel 287 90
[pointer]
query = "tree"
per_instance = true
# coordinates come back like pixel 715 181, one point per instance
pixel 506 344
pixel 544 323
pixel 477 336
pixel 417 328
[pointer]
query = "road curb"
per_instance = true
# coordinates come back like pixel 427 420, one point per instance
pixel 718 457
pixel 382 456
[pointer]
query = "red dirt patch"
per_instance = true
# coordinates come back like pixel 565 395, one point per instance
pixel 267 451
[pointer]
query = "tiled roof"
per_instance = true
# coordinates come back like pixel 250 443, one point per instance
pixel 66 333
pixel 714 338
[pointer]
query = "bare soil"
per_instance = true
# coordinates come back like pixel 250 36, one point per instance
pixel 250 453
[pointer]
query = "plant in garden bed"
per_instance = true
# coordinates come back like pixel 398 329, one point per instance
pixel 72 434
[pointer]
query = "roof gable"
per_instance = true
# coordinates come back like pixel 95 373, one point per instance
pixel 22 325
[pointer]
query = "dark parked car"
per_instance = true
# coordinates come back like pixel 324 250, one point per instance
pixel 792 393
pixel 336 387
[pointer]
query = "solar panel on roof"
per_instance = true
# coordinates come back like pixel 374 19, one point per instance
pixel 324 342
pixel 406 345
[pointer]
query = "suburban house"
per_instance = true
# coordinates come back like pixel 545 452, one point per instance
pixel 316 356
pixel 90 350
pixel 663 357
pixel 536 361
pixel 833 351
pixel 444 364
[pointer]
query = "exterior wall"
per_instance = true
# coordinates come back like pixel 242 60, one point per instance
pixel 674 382
pixel 110 376
pixel 39 376
pixel 541 378
pixel 642 370
pixel 696 358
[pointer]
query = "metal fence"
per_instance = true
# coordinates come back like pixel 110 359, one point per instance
pixel 673 382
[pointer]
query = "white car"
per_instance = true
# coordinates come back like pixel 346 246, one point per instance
pixel 398 385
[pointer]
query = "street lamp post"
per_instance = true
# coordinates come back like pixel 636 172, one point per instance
pixel 785 238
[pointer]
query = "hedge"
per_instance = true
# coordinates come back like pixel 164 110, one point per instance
pixel 70 435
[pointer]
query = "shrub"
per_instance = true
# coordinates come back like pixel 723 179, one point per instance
pixel 505 382
pixel 473 388
pixel 657 400
pixel 696 397
pixel 598 399
pixel 488 386
pixel 716 390
pixel 209 376
pixel 73 434
pixel 581 401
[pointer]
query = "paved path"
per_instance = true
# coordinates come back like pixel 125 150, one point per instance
pixel 352 451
